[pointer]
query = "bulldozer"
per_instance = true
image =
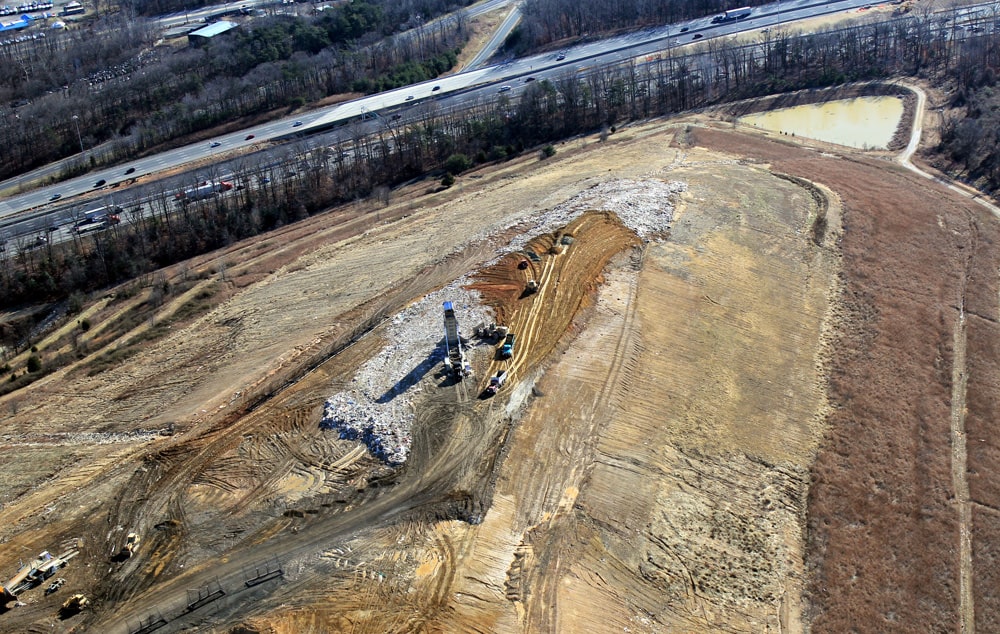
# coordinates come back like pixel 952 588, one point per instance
pixel 73 605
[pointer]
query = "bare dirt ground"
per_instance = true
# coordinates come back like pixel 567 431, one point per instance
pixel 737 419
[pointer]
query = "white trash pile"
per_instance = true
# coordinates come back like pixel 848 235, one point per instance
pixel 377 408
pixel 644 206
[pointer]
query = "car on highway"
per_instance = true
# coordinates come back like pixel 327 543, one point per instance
pixel 409 97
pixel 504 88
pixel 55 197
pixel 215 144
pixel 249 136
pixel 560 57
pixel 435 88
pixel 100 183
pixel 684 29
pixel 527 79
pixel 130 170
pixel 697 36
pixel 397 117
pixel 296 124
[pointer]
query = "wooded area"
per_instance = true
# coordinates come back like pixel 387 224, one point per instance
pixel 137 96
pixel 494 130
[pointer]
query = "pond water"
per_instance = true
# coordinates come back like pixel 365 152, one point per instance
pixel 863 122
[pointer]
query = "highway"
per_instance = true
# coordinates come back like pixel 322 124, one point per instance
pixel 465 87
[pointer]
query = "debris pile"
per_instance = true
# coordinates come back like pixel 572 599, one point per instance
pixel 377 407
pixel 644 206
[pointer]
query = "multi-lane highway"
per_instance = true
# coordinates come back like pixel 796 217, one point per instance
pixel 453 91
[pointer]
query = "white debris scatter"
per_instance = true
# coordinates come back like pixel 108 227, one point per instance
pixel 377 408
pixel 644 206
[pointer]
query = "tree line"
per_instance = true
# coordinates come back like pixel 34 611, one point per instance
pixel 495 129
pixel 546 21
pixel 143 96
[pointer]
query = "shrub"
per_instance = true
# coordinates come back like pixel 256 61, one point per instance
pixel 75 303
pixel 448 180
pixel 34 363
pixel 85 325
pixel 548 151
pixel 457 163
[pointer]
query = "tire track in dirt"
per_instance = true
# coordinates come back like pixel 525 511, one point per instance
pixel 542 610
pixel 959 460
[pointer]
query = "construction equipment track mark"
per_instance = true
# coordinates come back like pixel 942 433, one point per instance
pixel 959 479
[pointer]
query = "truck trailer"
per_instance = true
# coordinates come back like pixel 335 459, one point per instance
pixel 732 14
pixel 204 189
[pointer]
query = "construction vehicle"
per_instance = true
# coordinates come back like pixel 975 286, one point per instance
pixel 455 359
pixel 131 541
pixel 496 382
pixel 55 585
pixel 507 350
pixel 494 332
pixel 74 604
pixel 32 574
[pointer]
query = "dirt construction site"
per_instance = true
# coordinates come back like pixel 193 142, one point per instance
pixel 753 391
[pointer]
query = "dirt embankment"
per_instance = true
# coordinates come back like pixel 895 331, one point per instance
pixel 649 471
pixel 884 528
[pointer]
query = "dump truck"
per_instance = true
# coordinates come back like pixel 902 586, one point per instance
pixel 507 349
pixel 496 382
